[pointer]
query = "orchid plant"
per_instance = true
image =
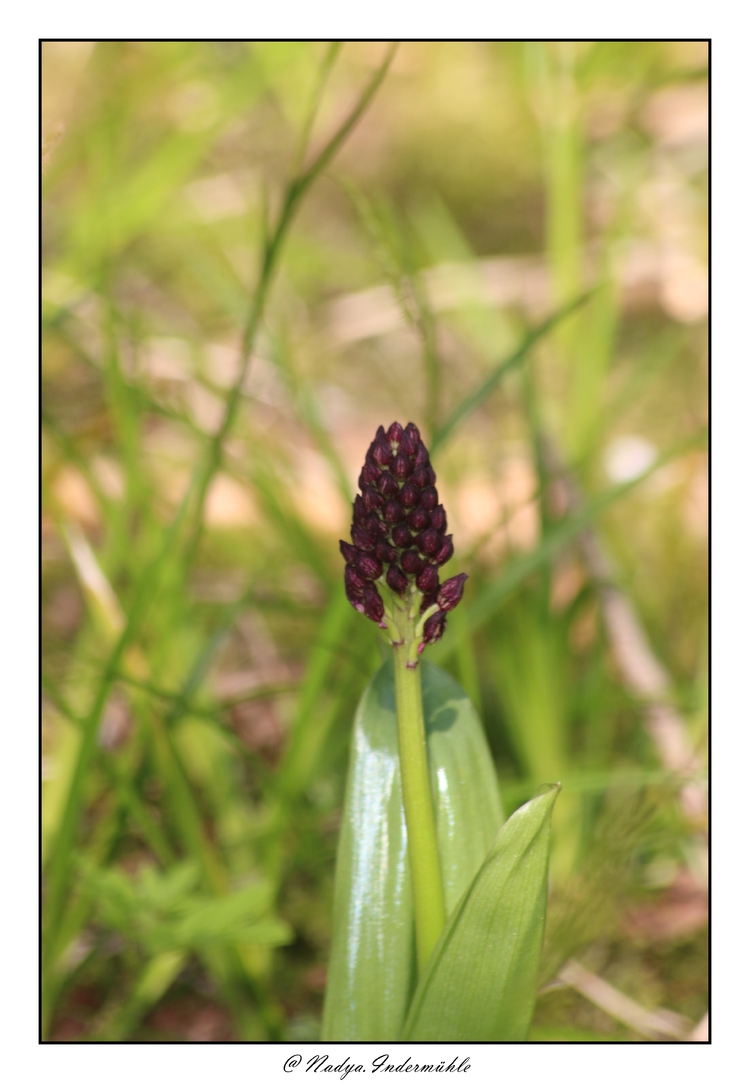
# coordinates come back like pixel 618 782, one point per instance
pixel 439 908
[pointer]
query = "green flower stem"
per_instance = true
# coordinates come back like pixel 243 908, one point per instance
pixel 427 884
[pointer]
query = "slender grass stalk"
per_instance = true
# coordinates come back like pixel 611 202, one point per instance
pixel 296 189
pixel 476 398
pixel 324 71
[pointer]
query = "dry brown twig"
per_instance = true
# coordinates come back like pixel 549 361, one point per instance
pixel 657 1024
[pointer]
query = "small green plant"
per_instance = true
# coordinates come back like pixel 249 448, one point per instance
pixel 439 911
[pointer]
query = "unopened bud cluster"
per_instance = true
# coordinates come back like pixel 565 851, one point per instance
pixel 399 539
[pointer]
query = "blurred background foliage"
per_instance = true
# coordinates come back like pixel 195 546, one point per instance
pixel 201 666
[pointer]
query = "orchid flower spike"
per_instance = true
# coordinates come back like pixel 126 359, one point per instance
pixel 399 543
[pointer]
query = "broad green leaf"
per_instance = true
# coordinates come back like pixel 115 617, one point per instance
pixel 372 971
pixel 480 982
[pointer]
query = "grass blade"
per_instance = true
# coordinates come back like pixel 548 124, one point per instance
pixel 502 369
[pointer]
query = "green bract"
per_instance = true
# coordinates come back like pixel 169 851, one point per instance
pixel 480 983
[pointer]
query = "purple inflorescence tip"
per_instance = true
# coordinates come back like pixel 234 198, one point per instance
pixel 399 539
pixel 395 433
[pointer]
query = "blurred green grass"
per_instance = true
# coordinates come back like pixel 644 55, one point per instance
pixel 201 665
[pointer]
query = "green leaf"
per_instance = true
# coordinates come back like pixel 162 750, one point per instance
pixel 480 982
pixel 372 970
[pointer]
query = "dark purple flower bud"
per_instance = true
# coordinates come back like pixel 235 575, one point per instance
pixel 361 538
pixel 386 484
pixel 410 439
pixel 369 474
pixel 381 452
pixel 360 511
pixel 421 477
pixel 439 520
pixel 396 580
pixel 395 433
pixel 403 466
pixel 368 566
pixel 423 455
pixel 348 552
pixel 429 497
pixel 393 512
pixel 412 562
pixel 445 552
pixel 428 580
pixel 373 604
pixel 375 525
pixel 451 592
pixel 408 445
pixel 434 627
pixel 355 585
pixel 380 434
pixel 358 603
pixel 419 519
pixel 408 496
pixel 386 552
pixel 372 500
pixel 428 541
pixel 401 536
